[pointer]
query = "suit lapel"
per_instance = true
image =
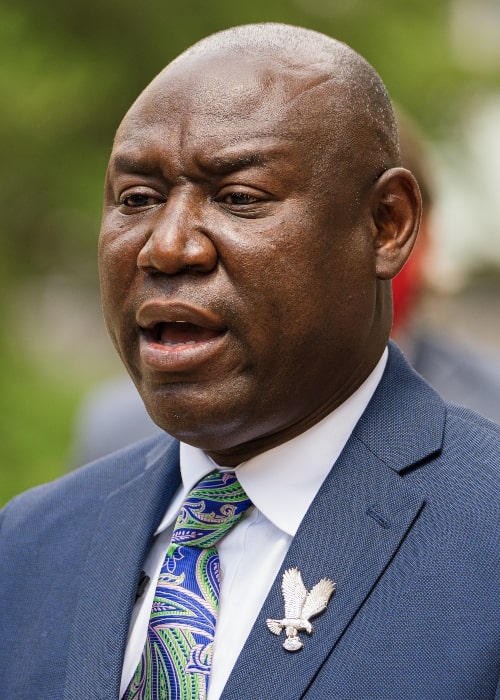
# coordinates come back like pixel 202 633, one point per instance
pixel 350 534
pixel 122 535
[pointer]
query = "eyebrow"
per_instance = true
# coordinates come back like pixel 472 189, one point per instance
pixel 222 166
pixel 129 164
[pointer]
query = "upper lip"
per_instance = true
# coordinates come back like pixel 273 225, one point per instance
pixel 154 312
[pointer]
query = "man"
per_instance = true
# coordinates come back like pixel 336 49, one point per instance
pixel 255 212
pixel 113 415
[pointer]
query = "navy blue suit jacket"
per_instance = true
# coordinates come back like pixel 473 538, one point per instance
pixel 406 523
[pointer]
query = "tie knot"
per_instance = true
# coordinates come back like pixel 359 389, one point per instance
pixel 211 508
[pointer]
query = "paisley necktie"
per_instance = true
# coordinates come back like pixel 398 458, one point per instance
pixel 175 663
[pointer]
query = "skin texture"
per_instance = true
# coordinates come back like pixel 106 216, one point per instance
pixel 254 214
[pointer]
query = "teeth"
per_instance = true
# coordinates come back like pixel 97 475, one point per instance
pixel 181 333
pixel 172 344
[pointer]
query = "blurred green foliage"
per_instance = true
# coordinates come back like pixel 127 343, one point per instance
pixel 35 425
pixel 68 73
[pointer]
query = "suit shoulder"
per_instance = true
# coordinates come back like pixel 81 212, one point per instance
pixel 469 428
pixel 467 467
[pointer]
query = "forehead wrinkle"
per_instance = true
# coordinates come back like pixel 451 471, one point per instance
pixel 245 154
pixel 131 157
pixel 313 88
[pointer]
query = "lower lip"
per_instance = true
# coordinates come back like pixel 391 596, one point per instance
pixel 179 358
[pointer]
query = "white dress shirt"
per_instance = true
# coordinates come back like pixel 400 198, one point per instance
pixel 281 484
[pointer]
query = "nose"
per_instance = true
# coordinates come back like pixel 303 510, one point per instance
pixel 179 240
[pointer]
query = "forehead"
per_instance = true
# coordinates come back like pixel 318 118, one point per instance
pixel 229 98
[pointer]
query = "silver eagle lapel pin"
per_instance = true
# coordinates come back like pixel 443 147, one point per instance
pixel 300 606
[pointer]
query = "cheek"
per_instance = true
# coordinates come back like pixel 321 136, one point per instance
pixel 332 292
pixel 117 270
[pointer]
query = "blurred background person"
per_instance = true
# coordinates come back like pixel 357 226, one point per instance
pixel 110 417
pixel 470 377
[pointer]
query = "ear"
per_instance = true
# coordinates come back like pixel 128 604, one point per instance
pixel 396 210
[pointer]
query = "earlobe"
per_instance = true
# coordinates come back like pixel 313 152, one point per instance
pixel 396 212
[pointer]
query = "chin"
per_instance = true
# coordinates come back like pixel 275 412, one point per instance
pixel 202 423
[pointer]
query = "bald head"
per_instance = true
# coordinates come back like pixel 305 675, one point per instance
pixel 353 90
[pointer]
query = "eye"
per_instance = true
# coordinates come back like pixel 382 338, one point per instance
pixel 139 199
pixel 244 201
pixel 239 198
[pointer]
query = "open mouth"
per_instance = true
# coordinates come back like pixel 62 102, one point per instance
pixel 177 334
pixel 179 337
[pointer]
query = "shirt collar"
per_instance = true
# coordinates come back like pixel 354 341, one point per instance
pixel 283 481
